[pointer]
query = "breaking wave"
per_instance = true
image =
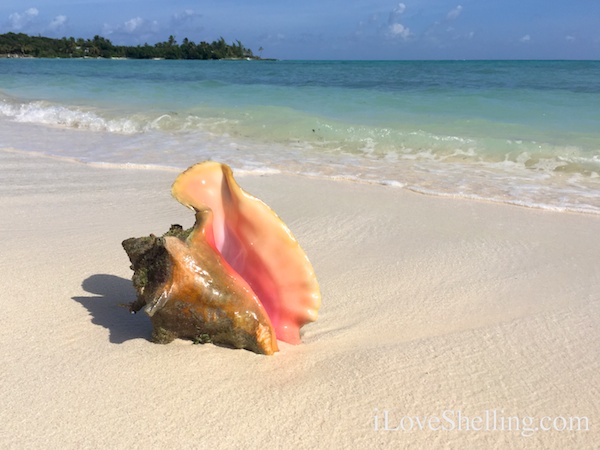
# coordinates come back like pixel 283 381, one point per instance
pixel 44 113
pixel 495 165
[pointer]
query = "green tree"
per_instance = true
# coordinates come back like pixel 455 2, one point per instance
pixel 22 44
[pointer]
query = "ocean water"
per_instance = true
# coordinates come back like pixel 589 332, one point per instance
pixel 519 132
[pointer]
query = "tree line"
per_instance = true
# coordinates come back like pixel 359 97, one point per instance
pixel 13 44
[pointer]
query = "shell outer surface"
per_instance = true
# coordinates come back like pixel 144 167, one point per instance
pixel 190 292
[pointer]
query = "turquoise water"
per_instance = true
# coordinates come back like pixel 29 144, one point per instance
pixel 520 132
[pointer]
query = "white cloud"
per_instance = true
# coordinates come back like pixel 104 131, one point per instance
pixel 20 20
pixel 399 30
pixel 395 14
pixel 453 14
pixel 133 24
pixel 189 15
pixel 58 23
pixel 440 32
pixel 188 21
pixel 569 38
pixel 525 38
pixel 395 28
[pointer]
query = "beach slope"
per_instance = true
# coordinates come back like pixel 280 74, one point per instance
pixel 432 308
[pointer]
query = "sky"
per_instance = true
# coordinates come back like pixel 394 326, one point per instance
pixel 330 29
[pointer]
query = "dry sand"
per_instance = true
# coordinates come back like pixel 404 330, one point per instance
pixel 439 308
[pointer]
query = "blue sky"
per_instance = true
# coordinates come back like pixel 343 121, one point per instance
pixel 331 29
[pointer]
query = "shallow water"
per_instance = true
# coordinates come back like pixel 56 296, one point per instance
pixel 518 132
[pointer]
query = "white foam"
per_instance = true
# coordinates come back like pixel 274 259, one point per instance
pixel 133 166
pixel 393 183
pixel 39 112
pixel 523 175
pixel 258 171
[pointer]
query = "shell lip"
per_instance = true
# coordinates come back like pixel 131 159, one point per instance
pixel 210 186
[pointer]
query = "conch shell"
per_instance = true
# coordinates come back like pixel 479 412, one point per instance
pixel 237 278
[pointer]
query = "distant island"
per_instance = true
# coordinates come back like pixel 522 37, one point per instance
pixel 19 45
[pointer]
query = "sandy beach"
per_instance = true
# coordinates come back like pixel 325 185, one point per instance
pixel 441 318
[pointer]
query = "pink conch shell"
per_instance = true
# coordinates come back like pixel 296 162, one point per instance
pixel 256 244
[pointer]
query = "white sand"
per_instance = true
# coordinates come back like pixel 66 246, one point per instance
pixel 431 307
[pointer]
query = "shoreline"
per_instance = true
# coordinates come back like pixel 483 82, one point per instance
pixel 429 304
pixel 312 176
